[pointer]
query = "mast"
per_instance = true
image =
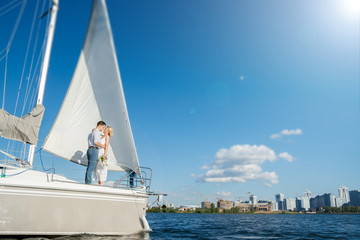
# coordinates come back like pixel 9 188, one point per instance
pixel 54 9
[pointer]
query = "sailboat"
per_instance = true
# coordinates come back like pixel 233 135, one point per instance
pixel 43 203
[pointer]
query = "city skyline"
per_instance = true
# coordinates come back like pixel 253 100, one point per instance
pixel 224 98
pixel 277 197
pixel 306 202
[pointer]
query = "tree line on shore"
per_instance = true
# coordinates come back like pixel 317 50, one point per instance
pixel 343 209
pixel 197 210
pixel 236 210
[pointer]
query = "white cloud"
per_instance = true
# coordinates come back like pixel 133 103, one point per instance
pixel 240 163
pixel 204 167
pixel 276 135
pixel 286 156
pixel 291 132
pixel 286 132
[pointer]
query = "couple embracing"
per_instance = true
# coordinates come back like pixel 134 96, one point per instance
pixel 98 142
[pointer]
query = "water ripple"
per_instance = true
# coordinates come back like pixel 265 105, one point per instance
pixel 241 226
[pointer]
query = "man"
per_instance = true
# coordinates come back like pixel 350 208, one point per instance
pixel 92 152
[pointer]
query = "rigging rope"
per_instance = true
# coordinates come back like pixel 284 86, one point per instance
pixel 1 8
pixel 32 80
pixel 10 8
pixel 27 92
pixel 6 61
pixel 1 58
pixel 10 175
pixel 21 12
pixel 42 164
pixel 18 146
pixel 37 77
pixel 26 55
pixel 28 87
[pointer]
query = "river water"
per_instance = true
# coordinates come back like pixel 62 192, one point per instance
pixel 254 226
pixel 243 226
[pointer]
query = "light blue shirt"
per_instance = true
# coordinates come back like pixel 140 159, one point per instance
pixel 94 136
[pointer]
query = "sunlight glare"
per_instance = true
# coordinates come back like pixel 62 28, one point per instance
pixel 352 7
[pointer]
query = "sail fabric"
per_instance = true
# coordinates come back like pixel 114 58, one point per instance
pixel 24 129
pixel 95 93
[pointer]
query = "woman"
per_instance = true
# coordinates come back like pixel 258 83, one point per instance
pixel 101 166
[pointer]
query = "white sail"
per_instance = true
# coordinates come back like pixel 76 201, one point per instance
pixel 95 93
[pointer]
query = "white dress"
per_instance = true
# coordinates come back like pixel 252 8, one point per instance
pixel 100 170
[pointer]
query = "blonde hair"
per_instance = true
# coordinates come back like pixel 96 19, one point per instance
pixel 110 130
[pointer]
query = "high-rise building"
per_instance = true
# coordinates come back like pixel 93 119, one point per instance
pixel 206 204
pixel 325 200
pixel 290 204
pixel 263 206
pixel 222 204
pixel 279 197
pixel 302 203
pixel 307 194
pixel 253 199
pixel 332 200
pixel 298 204
pixel 243 207
pixel 344 193
pixel 279 201
pixel 339 202
pixel 355 198
pixel 313 202
pixel 275 206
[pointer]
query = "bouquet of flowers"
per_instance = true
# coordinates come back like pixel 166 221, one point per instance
pixel 103 160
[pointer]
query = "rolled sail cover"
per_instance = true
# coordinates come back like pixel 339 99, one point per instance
pixel 24 129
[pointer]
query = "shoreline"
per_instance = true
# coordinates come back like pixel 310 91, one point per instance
pixel 257 212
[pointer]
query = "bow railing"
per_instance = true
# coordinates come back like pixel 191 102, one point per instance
pixel 132 181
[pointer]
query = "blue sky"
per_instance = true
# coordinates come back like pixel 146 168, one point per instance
pixel 208 83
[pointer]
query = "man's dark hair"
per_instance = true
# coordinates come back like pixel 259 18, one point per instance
pixel 101 123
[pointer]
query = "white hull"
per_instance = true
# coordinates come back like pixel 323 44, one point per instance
pixel 60 208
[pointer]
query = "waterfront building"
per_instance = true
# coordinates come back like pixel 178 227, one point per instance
pixel 279 197
pixel 243 207
pixel 298 204
pixel 355 198
pixel 206 204
pixel 313 203
pixel 344 193
pixel 332 200
pixel 263 206
pixel 289 204
pixel 280 201
pixel 339 202
pixel 275 206
pixel 325 200
pixel 253 199
pixel 281 205
pixel 222 204
pixel 307 194
pixel 188 207
pixel 302 203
